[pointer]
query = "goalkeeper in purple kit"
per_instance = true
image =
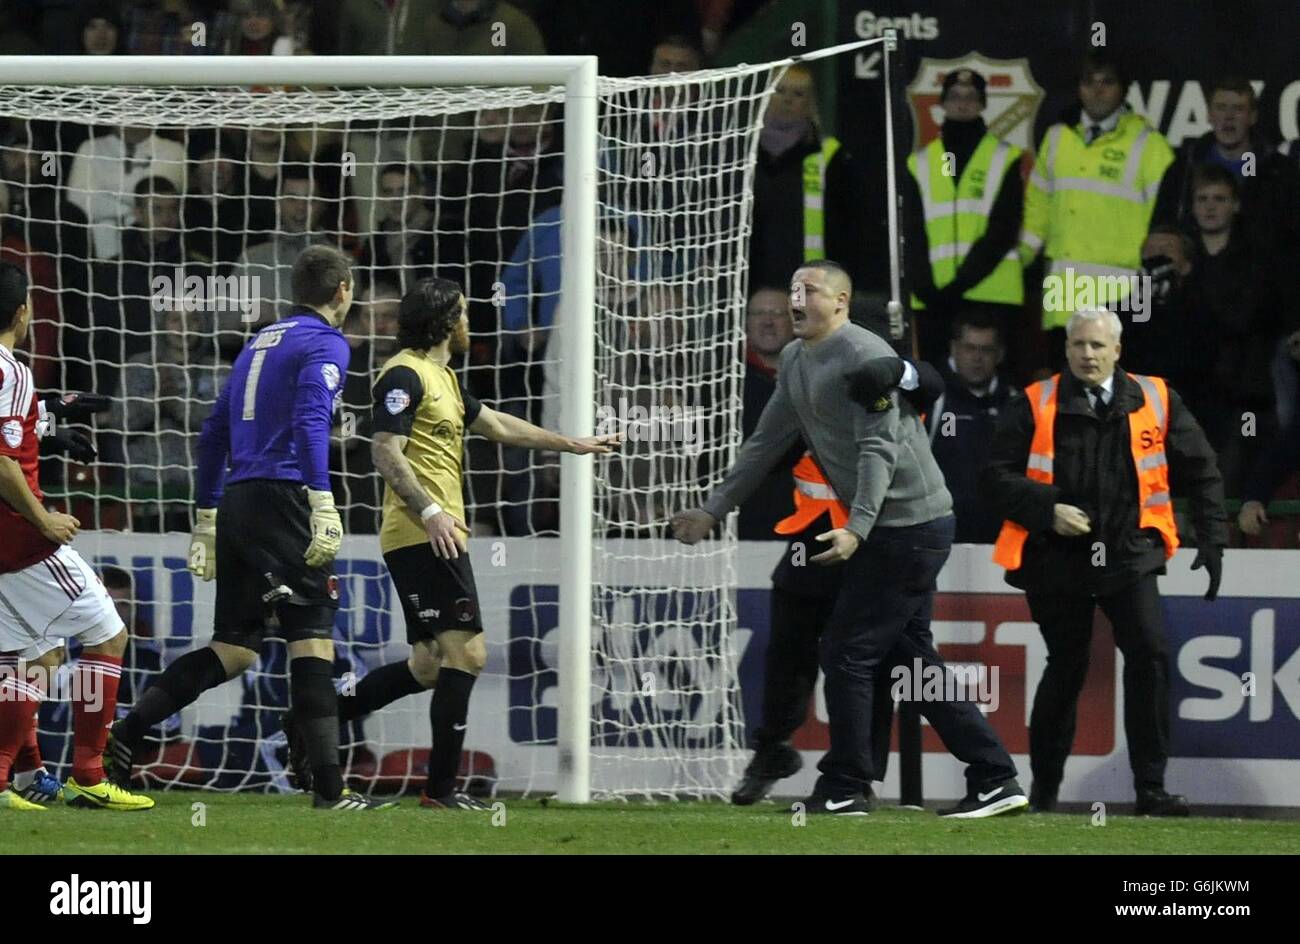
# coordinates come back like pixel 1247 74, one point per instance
pixel 279 531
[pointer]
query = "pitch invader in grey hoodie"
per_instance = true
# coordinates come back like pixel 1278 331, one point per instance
pixel 878 462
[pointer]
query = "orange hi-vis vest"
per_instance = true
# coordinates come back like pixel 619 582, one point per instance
pixel 1147 426
pixel 813 497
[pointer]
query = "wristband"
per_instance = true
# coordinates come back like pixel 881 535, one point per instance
pixel 432 509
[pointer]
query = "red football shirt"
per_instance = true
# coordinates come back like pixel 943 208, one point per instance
pixel 23 544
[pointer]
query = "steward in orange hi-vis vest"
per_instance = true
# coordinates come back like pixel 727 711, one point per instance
pixel 1148 429
pixel 1080 469
pixel 813 497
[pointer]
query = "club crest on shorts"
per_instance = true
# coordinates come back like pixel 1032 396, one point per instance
pixel 13 433
pixel 395 401
pixel 464 610
pixel 332 586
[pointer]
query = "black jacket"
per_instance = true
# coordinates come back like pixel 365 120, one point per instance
pixel 774 498
pixel 1094 470
pixel 776 242
pixel 1279 460
pixel 961 426
pixel 1268 198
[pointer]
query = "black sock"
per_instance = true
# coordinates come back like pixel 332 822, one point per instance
pixel 383 686
pixel 315 707
pixel 181 684
pixel 447 713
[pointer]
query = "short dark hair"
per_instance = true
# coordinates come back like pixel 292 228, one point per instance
pixel 428 313
pixel 155 187
pixel 317 272
pixel 833 267
pixel 1101 59
pixel 1234 83
pixel 13 293
pixel 1207 175
pixel 115 578
pixel 977 322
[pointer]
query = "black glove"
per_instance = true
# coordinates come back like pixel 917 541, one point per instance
pixel 1163 275
pixel 70 442
pixel 75 406
pixel 1210 557
pixel 874 379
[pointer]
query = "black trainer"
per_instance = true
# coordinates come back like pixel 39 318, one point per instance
pixel 764 770
pixel 989 800
pixel 859 805
pixel 350 801
pixel 119 758
pixel 453 801
pixel 299 766
pixel 1042 798
pixel 1154 801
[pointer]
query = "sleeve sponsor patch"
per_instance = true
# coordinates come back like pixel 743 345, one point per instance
pixel 12 431
pixel 396 401
pixel 331 374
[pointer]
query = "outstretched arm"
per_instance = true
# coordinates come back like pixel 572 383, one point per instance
pixel 513 431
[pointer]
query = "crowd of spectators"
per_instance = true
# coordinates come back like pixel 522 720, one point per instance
pixel 476 198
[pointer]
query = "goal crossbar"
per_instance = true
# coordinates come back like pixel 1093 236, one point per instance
pixel 578 76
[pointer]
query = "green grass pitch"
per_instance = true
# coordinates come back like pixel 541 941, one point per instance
pixel 264 825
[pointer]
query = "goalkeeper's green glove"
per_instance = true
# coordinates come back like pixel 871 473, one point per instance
pixel 326 529
pixel 203 544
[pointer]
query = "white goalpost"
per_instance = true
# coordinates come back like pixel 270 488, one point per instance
pixel 600 228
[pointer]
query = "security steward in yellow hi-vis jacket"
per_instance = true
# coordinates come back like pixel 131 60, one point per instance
pixel 1090 196
pixel 1081 468
pixel 964 202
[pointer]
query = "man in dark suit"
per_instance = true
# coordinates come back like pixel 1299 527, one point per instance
pixel 1081 469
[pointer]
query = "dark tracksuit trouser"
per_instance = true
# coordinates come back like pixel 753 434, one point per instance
pixel 790 667
pixel 1137 618
pixel 883 611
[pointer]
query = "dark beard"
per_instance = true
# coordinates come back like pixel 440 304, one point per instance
pixel 459 338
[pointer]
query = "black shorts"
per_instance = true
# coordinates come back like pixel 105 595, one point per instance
pixel 436 594
pixel 263 529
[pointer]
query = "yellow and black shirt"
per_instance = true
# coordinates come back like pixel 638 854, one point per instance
pixel 421 400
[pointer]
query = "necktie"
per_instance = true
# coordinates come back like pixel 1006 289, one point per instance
pixel 1099 405
pixel 1093 133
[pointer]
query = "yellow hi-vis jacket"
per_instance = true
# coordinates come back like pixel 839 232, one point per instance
pixel 1148 428
pixel 1088 207
pixel 957 214
pixel 814 199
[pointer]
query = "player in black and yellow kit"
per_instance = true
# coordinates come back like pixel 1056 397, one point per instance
pixel 420 417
